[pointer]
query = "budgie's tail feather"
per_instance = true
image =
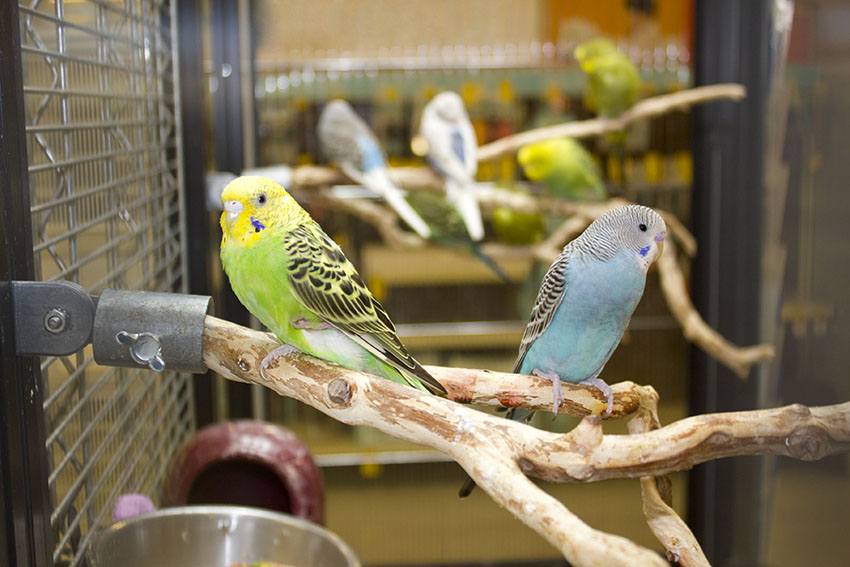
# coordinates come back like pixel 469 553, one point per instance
pixel 425 379
pixel 378 181
pixel 491 263
pixel 395 198
pixel 516 414
pixel 466 203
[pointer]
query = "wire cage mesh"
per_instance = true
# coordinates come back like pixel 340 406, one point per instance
pixel 106 201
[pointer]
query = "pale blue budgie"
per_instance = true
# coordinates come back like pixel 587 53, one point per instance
pixel 452 151
pixel 348 141
pixel 585 302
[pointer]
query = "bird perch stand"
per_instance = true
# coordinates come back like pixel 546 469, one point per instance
pixel 500 454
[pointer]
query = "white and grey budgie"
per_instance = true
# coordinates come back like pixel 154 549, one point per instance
pixel 586 301
pixel 347 140
pixel 453 152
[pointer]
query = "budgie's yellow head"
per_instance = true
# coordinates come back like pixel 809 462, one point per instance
pixel 588 52
pixel 252 205
pixel 538 158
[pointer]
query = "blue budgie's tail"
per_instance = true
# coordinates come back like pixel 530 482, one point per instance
pixel 516 414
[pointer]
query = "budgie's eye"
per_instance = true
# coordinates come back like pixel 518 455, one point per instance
pixel 261 199
pixel 642 227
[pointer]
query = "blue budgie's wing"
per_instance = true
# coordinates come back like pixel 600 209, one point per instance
pixel 371 155
pixel 470 148
pixel 548 299
pixel 457 144
pixel 345 138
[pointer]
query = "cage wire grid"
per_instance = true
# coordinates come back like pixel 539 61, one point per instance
pixel 103 146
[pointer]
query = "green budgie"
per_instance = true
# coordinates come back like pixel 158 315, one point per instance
pixel 448 229
pixel 586 301
pixel 565 167
pixel 613 82
pixel 297 281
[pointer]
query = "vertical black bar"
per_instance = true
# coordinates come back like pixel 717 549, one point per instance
pixel 192 93
pixel 25 538
pixel 228 142
pixel 732 42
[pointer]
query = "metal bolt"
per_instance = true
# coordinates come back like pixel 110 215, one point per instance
pixel 54 320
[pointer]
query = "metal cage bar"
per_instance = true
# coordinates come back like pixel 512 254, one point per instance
pixel 105 201
pixel 24 502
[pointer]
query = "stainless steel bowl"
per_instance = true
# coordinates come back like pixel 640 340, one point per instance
pixel 217 536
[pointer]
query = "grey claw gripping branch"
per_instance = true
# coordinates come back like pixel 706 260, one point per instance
pixel 138 329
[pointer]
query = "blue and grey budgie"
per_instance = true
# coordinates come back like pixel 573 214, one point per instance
pixel 585 302
pixel 348 141
pixel 452 151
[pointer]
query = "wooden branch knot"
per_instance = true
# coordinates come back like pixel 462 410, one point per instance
pixel 340 392
pixel 808 443
pixel 243 364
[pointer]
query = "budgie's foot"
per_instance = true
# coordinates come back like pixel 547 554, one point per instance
pixel 303 324
pixel 282 350
pixel 606 391
pixel 557 392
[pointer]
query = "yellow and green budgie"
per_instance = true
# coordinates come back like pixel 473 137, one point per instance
pixel 564 167
pixel 296 280
pixel 613 82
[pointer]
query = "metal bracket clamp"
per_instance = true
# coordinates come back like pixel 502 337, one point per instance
pixel 150 329
pixel 52 318
pixel 126 328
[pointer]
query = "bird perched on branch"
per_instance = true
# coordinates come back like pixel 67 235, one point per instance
pixel 586 301
pixel 613 82
pixel 452 151
pixel 297 282
pixel 347 140
pixel 564 167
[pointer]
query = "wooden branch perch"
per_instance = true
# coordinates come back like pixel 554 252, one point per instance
pixel 673 533
pixel 498 453
pixel 642 110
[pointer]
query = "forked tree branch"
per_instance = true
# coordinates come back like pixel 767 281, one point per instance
pixel 498 453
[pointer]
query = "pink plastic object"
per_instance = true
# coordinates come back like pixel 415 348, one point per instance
pixel 246 463
pixel 129 505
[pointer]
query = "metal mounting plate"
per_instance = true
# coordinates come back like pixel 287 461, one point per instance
pixel 62 306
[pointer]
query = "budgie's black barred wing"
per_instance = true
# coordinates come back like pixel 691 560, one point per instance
pixel 548 299
pixel 325 281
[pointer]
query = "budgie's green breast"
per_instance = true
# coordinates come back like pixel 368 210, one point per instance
pixel 259 278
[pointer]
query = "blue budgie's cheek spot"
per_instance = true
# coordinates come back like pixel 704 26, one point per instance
pixel 645 250
pixel 258 226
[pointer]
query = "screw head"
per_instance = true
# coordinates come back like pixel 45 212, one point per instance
pixel 55 320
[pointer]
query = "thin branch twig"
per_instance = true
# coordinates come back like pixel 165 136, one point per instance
pixel 738 359
pixel 646 108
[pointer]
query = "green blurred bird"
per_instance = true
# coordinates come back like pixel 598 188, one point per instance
pixel 448 229
pixel 564 167
pixel 613 81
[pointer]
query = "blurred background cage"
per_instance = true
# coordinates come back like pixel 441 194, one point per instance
pixel 106 199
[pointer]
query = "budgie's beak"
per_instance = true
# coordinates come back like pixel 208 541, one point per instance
pixel 233 209
pixel 659 239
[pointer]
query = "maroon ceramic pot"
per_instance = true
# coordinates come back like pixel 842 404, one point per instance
pixel 246 463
